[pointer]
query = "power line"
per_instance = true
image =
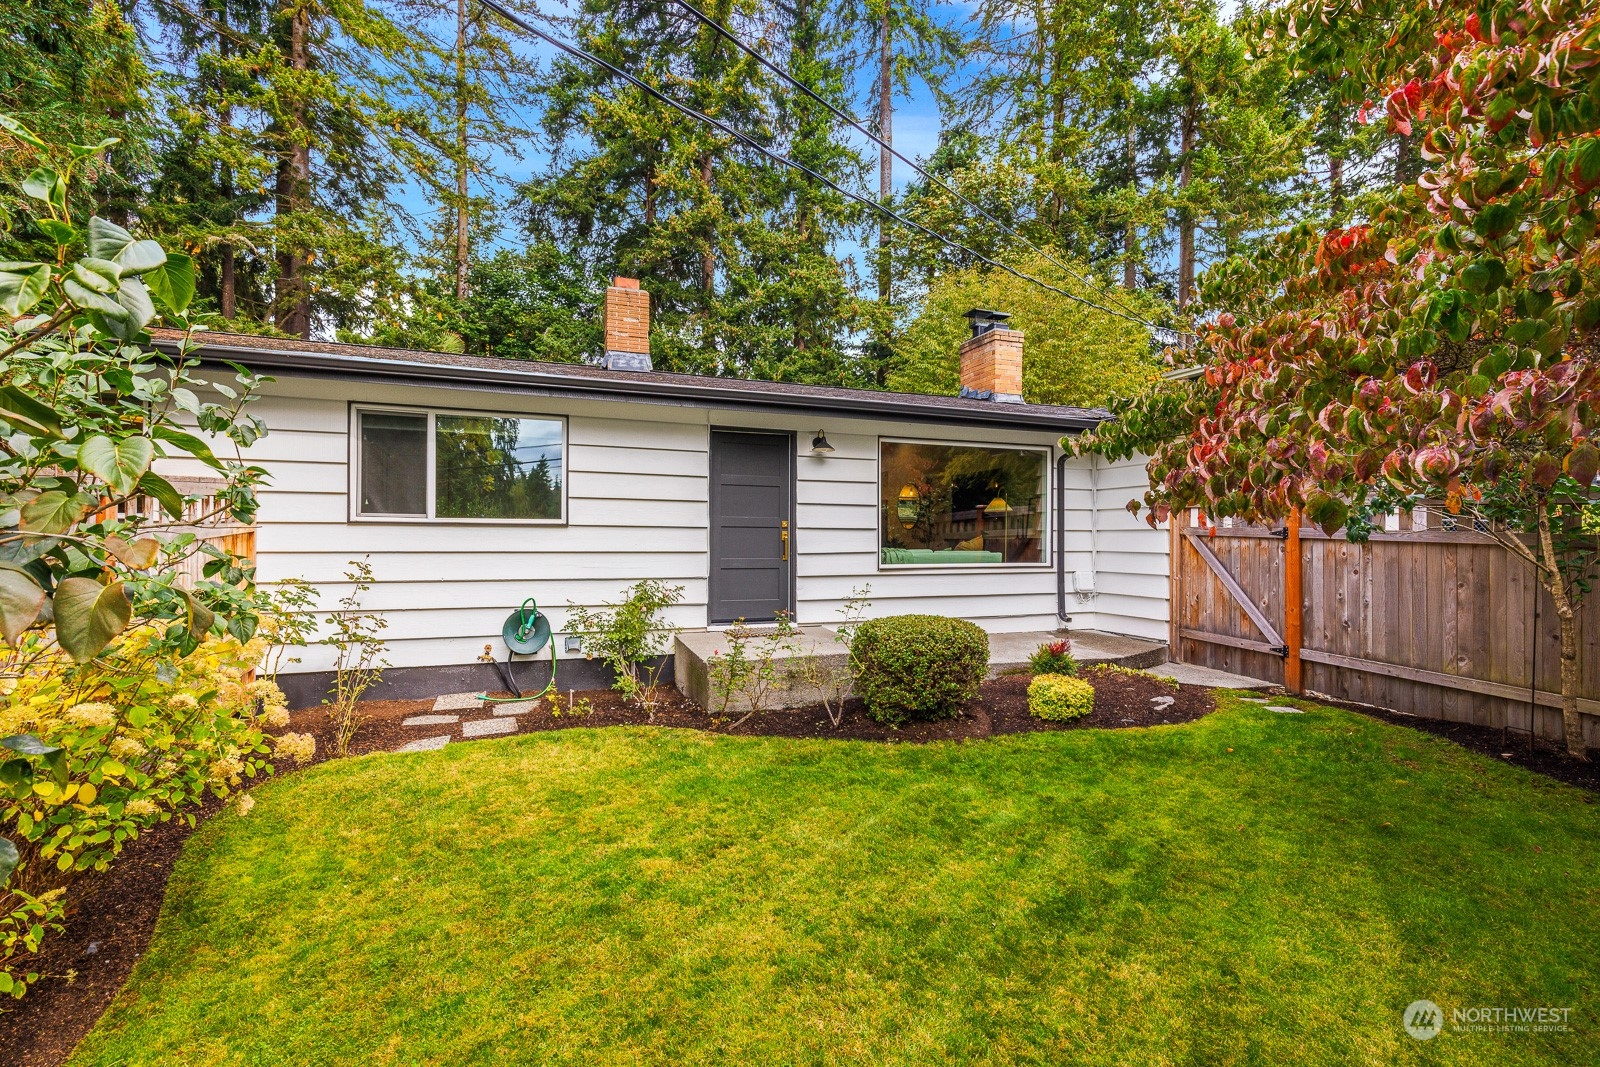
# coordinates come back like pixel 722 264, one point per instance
pixel 649 90
pixel 849 119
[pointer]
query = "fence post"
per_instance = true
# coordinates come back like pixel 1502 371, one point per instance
pixel 1174 584
pixel 1293 604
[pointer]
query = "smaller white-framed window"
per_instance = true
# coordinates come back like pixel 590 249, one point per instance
pixel 442 465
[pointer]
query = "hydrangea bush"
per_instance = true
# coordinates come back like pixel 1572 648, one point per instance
pixel 126 690
pixel 99 752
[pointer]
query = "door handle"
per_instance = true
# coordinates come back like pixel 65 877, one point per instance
pixel 785 536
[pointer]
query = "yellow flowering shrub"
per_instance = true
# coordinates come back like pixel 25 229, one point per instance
pixel 96 752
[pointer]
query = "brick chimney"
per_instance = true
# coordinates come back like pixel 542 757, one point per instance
pixel 627 324
pixel 991 359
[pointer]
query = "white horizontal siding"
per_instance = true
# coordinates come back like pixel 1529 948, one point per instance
pixel 638 507
pixel 1128 558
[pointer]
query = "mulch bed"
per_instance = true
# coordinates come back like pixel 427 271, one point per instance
pixel 1121 701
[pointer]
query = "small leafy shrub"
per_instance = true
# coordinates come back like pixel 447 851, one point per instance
pixel 1059 698
pixel 359 655
pixel 917 666
pixel 574 706
pixel 828 677
pixel 750 666
pixel 23 926
pixel 1053 657
pixel 631 636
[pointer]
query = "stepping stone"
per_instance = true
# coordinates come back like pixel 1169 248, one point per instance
pixel 430 720
pixel 1163 703
pixel 1281 710
pixel 514 707
pixel 1255 700
pixel 427 744
pixel 458 702
pixel 488 727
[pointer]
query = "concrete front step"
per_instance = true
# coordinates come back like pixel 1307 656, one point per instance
pixel 805 665
pixel 1010 651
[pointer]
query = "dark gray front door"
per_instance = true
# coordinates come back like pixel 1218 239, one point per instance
pixel 752 480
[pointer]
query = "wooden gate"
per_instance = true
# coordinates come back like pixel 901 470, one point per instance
pixel 1423 618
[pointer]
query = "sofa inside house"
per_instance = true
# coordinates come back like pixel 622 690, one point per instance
pixel 938 555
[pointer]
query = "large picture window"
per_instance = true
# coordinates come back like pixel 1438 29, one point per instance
pixel 460 467
pixel 947 505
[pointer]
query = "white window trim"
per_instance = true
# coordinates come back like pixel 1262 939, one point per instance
pixel 353 493
pixel 1044 563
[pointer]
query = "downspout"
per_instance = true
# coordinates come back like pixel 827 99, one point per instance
pixel 1062 618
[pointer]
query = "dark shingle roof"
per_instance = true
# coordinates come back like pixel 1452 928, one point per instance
pixel 326 359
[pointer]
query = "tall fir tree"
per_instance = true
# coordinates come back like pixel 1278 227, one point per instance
pixel 1143 135
pixel 74 72
pixel 737 252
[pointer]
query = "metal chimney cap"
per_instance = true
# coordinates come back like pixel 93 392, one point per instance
pixel 983 320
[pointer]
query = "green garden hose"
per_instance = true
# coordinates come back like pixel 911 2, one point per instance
pixel 526 631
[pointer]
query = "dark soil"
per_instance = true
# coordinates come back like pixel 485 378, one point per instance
pixel 1121 701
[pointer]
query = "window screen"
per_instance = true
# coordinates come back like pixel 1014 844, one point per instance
pixel 394 462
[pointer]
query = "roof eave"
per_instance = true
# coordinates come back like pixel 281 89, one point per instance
pixel 704 392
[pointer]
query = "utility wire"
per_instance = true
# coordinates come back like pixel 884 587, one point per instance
pixel 649 90
pixel 843 116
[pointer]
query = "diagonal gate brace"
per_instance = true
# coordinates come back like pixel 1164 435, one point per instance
pixel 1237 592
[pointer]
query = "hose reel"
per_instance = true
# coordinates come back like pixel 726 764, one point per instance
pixel 525 633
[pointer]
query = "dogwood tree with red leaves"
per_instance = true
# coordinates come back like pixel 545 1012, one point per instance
pixel 1449 347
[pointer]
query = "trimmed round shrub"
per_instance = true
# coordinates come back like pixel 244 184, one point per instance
pixel 917 666
pixel 1059 698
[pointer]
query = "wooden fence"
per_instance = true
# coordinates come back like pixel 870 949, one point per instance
pixel 202 516
pixel 1424 618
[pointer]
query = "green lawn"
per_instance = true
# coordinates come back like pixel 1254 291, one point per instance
pixel 1249 889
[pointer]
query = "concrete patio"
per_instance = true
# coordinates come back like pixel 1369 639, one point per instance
pixel 829 661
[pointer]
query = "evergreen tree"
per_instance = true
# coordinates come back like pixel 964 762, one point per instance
pixel 736 251
pixel 74 73
pixel 1133 128
pixel 908 44
pixel 291 127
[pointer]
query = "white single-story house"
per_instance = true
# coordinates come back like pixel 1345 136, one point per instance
pixel 471 483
